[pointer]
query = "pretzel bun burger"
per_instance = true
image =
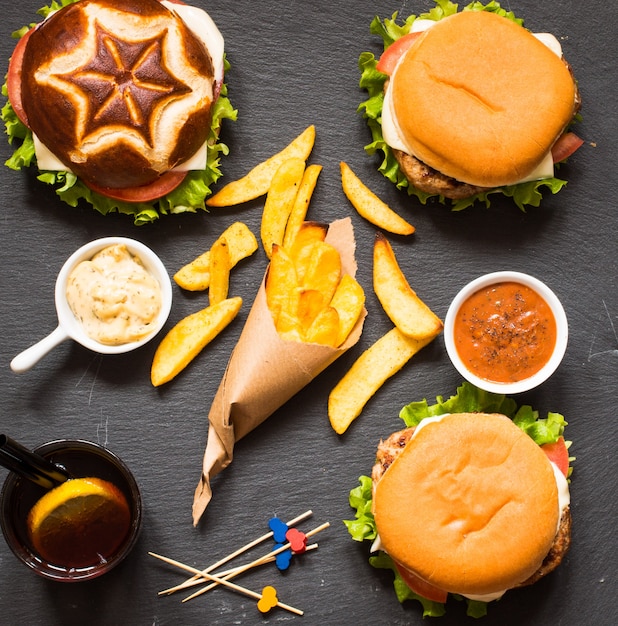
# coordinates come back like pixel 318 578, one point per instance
pixel 121 101
pixel 473 103
pixel 469 504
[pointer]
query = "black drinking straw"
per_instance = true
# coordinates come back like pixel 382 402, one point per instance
pixel 30 465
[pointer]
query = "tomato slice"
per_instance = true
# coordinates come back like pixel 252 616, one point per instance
pixel 421 587
pixel 565 146
pixel 558 454
pixel 13 77
pixel 395 51
pixel 146 193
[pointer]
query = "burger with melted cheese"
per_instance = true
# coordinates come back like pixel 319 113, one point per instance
pixel 121 102
pixel 465 104
pixel 467 504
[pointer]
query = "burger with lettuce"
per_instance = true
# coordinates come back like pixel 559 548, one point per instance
pixel 469 500
pixel 119 103
pixel 468 103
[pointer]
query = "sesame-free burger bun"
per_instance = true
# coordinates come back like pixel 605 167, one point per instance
pixel 470 505
pixel 480 99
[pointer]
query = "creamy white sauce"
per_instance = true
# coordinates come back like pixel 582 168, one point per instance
pixel 204 28
pixel 114 297
pixel 564 499
pixel 394 137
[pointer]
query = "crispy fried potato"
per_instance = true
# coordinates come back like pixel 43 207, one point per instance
pixel 310 303
pixel 348 300
pixel 368 373
pixel 219 272
pixel 282 289
pixel 325 328
pixel 301 204
pixel 309 232
pixel 369 206
pixel 320 269
pixel 189 337
pixel 405 309
pixel 241 243
pixel 257 182
pixel 279 202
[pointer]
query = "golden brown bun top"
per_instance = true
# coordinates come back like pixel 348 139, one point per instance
pixel 470 505
pixel 119 90
pixel 482 100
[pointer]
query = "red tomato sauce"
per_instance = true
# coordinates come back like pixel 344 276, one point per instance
pixel 505 332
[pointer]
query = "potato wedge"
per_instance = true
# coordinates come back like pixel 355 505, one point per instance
pixel 219 272
pixel 257 182
pixel 310 303
pixel 325 328
pixel 320 270
pixel 309 232
pixel 282 289
pixel 301 204
pixel 241 243
pixel 405 309
pixel 279 202
pixel 369 372
pixel 348 300
pixel 189 337
pixel 369 206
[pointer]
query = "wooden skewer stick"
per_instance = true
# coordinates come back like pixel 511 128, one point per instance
pixel 235 571
pixel 243 568
pixel 222 581
pixel 197 579
pixel 257 562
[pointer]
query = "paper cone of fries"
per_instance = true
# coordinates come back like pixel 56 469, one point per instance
pixel 265 371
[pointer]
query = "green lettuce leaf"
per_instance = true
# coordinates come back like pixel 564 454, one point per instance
pixel 468 399
pixel 189 196
pixel 389 30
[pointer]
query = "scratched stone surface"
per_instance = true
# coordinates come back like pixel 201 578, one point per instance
pixel 295 64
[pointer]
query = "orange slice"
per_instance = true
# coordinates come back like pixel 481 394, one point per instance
pixel 80 523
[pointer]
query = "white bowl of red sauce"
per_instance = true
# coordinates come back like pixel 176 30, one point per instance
pixel 506 332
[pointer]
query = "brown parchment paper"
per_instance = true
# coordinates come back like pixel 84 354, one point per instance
pixel 264 372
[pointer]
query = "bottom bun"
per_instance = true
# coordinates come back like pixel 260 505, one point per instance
pixel 469 505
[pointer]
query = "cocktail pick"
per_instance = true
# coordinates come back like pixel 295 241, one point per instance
pixel 197 580
pixel 30 465
pixel 222 581
pixel 258 561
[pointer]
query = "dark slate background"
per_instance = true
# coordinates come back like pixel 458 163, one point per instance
pixel 294 64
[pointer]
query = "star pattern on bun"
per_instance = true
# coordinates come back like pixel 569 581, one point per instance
pixel 123 85
pixel 126 84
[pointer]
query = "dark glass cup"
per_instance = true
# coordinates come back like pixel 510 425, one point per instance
pixel 82 459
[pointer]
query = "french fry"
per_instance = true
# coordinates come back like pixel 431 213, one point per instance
pixel 189 337
pixel 369 372
pixel 325 328
pixel 241 243
pixel 279 202
pixel 320 270
pixel 301 204
pixel 310 303
pixel 301 249
pixel 219 272
pixel 257 182
pixel 369 206
pixel 282 289
pixel 405 309
pixel 349 300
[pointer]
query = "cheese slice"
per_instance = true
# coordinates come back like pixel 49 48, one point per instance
pixel 394 137
pixel 204 28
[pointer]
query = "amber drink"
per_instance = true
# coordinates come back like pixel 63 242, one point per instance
pixel 93 520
